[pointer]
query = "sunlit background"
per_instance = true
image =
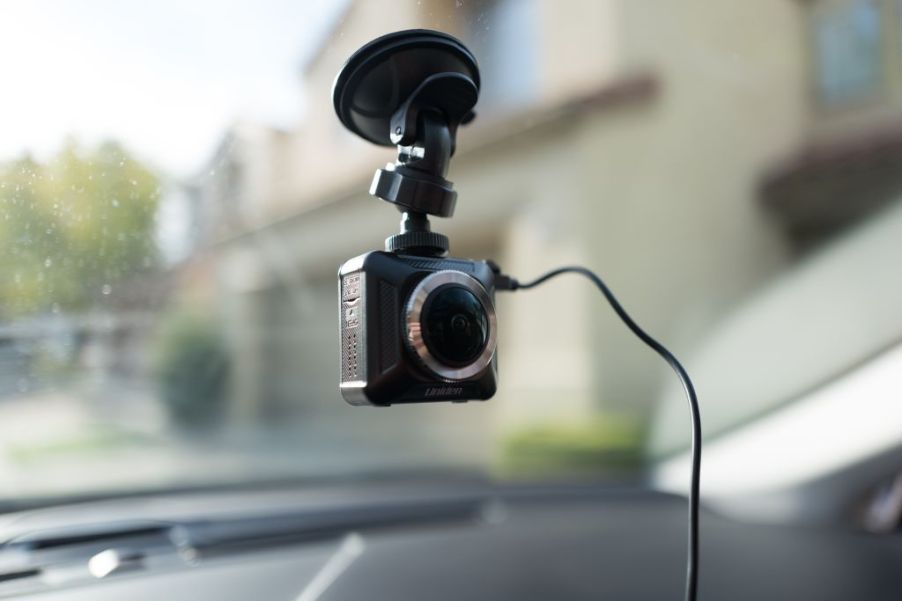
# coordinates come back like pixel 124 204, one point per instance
pixel 176 195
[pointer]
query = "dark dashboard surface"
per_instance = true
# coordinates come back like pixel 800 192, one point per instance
pixel 554 545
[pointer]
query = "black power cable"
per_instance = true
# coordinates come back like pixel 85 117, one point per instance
pixel 692 559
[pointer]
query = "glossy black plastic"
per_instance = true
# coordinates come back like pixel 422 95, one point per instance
pixel 455 325
pixel 388 72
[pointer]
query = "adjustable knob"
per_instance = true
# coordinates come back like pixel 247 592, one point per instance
pixel 415 191
pixel 418 243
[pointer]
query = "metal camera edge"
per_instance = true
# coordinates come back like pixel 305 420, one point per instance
pixel 384 358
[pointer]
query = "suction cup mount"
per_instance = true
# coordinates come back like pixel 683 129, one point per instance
pixel 411 89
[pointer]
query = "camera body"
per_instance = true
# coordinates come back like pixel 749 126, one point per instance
pixel 416 329
pixel 415 325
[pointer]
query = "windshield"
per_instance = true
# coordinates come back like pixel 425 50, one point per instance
pixel 177 193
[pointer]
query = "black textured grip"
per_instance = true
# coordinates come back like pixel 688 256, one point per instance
pixel 389 326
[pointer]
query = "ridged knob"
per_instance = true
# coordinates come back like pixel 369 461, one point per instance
pixel 418 242
pixel 414 191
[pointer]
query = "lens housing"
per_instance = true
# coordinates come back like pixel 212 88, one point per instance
pixel 450 324
pixel 455 325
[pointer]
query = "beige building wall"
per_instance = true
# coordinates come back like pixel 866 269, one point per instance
pixel 581 46
pixel 681 178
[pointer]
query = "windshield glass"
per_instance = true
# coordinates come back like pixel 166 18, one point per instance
pixel 177 193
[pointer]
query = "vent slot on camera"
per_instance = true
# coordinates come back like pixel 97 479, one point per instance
pixel 351 363
pixel 439 264
pixel 390 325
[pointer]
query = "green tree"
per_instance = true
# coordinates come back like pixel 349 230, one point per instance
pixel 73 228
pixel 192 367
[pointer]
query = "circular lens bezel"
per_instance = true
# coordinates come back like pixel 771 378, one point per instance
pixel 414 327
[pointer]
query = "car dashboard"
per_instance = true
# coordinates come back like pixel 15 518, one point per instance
pixel 481 542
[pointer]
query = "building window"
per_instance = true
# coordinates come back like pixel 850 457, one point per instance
pixel 502 35
pixel 848 44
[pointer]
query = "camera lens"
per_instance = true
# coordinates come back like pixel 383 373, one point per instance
pixel 450 325
pixel 455 325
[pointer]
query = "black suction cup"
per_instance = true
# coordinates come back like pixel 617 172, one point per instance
pixel 376 89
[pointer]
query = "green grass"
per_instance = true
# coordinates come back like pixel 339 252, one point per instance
pixel 97 440
pixel 604 446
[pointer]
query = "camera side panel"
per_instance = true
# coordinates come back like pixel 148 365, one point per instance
pixel 374 369
pixel 352 290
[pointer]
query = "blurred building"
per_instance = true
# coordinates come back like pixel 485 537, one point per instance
pixel 631 136
pixel 817 349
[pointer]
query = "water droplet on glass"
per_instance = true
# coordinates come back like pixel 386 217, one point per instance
pixel 115 202
pixel 55 307
pixel 48 262
pixel 106 289
pixel 133 182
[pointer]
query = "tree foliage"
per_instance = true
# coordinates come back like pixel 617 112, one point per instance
pixel 73 228
pixel 192 366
